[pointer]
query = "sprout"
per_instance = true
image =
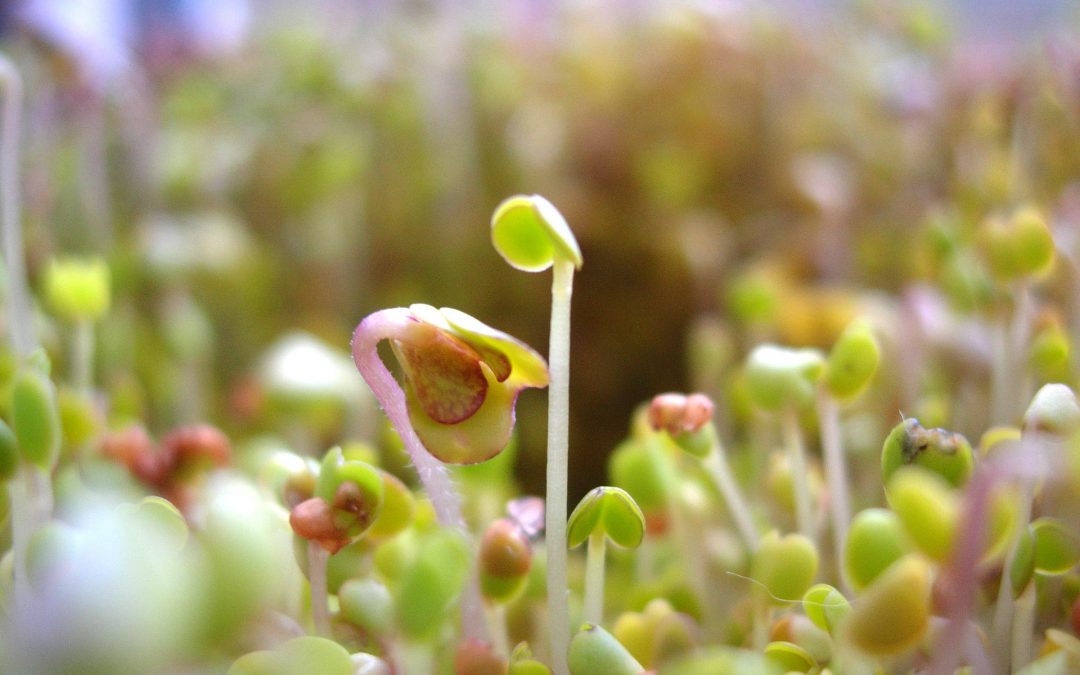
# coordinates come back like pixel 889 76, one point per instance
pixel 875 542
pixel 531 235
pixel 1053 410
pixel 77 289
pixel 505 559
pixel 1021 245
pixel 462 379
pixel 784 380
pixel 688 421
pixel 523 663
pixel 892 615
pixel 789 657
pixel 594 651
pixel 784 566
pixel 943 452
pixel 307 654
pixel 604 513
pixel 826 607
pixel 655 634
pixel 927 507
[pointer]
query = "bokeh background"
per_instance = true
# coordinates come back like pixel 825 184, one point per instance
pixel 733 171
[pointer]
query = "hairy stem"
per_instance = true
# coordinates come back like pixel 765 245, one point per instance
pixel 717 466
pixel 793 440
pixel 320 609
pixel 835 477
pixel 20 319
pixel 434 477
pixel 557 459
pixel 594 579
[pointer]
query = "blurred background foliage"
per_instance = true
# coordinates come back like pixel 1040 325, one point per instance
pixel 734 171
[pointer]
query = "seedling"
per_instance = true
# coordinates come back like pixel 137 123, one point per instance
pixel 848 370
pixel 604 513
pixel 782 380
pixel 531 235
pixel 688 420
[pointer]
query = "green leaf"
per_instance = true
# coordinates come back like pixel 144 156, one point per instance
pixel 927 507
pixel 875 541
pixel 1057 548
pixel 609 510
pixel 791 657
pixel 825 606
pixel 529 233
pixel 35 417
pixel 893 614
pixel 943 452
pixel 852 362
pixel 785 566
pixel 778 377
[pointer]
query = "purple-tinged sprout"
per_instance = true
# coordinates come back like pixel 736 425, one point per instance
pixel 461 380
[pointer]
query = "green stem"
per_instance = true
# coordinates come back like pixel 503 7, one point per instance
pixel 320 608
pixel 804 516
pixel 717 467
pixel 593 611
pixel 836 478
pixel 20 318
pixel 557 459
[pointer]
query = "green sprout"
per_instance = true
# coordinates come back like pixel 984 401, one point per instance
pixel 594 651
pixel 603 513
pixel 943 452
pixel 784 569
pixel 531 235
pixel 347 499
pixel 783 380
pixel 687 419
pixel 875 542
pixel 77 290
pixel 848 370
pixel 892 615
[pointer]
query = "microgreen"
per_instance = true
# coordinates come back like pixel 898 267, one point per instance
pixel 531 235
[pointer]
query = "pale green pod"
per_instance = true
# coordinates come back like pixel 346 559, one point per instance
pixel 825 606
pixel 852 362
pixel 875 541
pixel 594 651
pixel 943 452
pixel 893 614
pixel 368 604
pixel 1054 410
pixel 77 289
pixel 928 509
pixel 530 233
pixel 785 566
pixel 35 418
pixel 611 511
pixel 778 377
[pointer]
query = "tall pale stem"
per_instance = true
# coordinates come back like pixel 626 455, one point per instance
pixel 835 476
pixel 717 466
pixel 594 579
pixel 20 319
pixel 557 459
pixel 804 516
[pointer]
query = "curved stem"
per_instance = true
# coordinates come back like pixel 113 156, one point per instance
pixel 82 356
pixel 804 516
pixel 434 477
pixel 717 466
pixel 836 477
pixel 20 319
pixel 557 459
pixel 594 579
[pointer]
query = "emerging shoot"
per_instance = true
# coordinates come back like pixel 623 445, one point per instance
pixel 531 235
